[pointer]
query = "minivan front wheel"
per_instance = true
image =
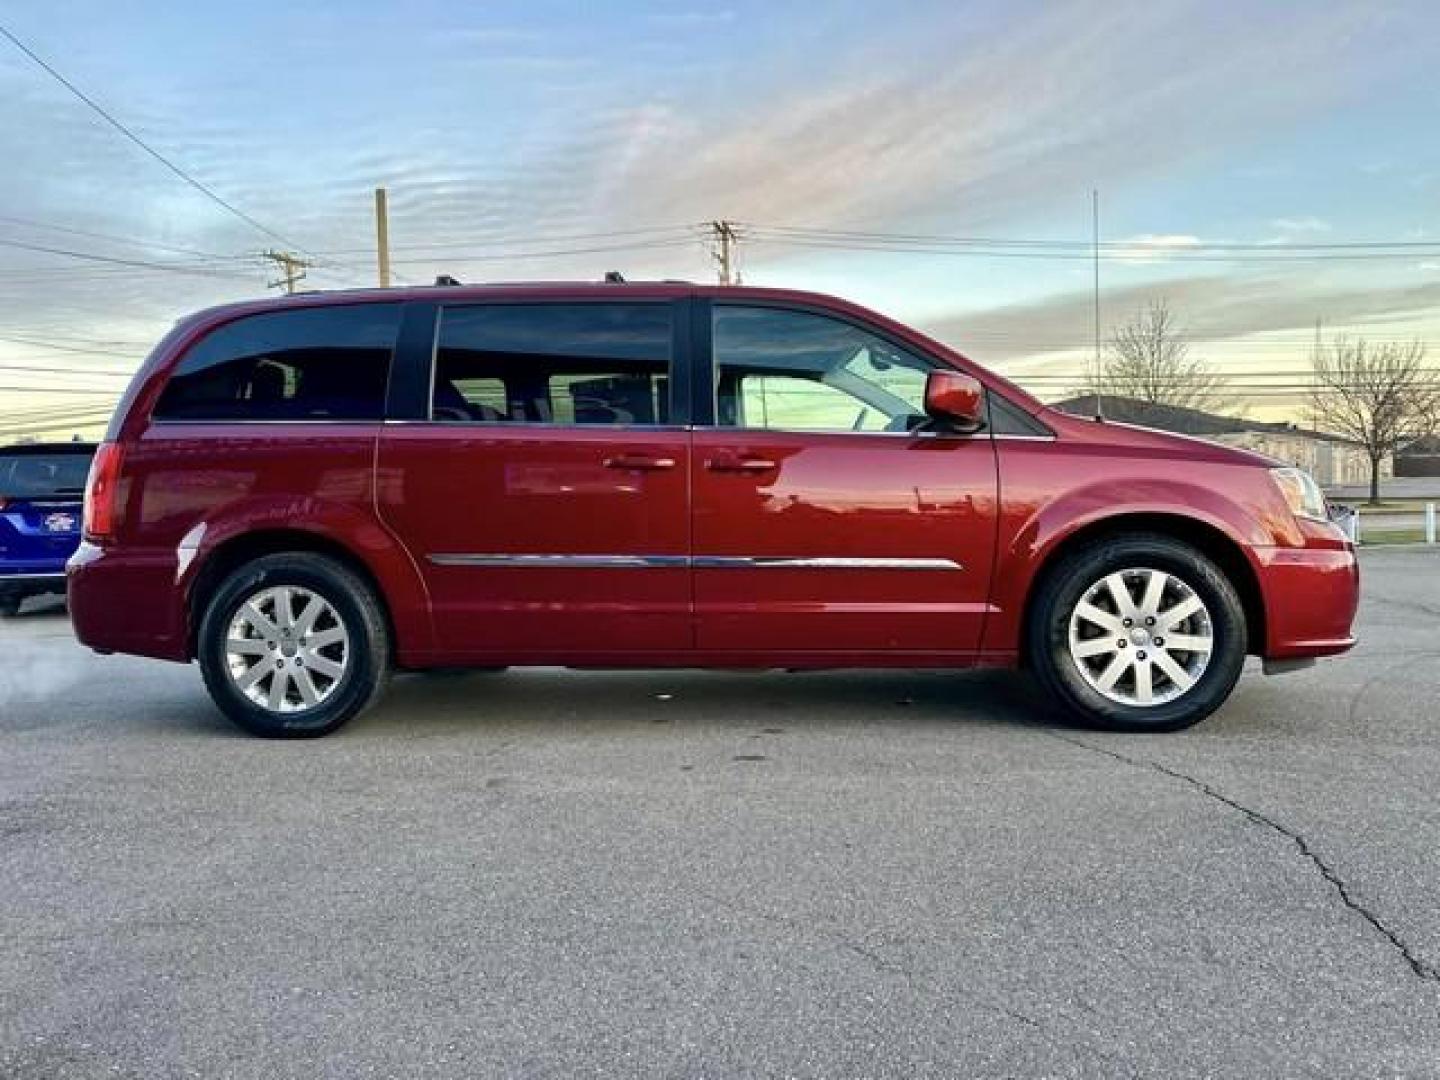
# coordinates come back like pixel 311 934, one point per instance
pixel 1138 633
pixel 293 645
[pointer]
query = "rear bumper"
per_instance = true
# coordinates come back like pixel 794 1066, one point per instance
pixel 1311 595
pixel 29 581
pixel 126 603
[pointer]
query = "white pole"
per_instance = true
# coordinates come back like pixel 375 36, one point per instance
pixel 1355 527
pixel 1430 523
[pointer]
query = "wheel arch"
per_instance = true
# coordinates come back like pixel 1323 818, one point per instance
pixel 1210 540
pixel 244 547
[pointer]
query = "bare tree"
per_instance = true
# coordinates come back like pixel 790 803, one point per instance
pixel 1380 396
pixel 1149 360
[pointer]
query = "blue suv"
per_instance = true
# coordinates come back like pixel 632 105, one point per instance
pixel 42 488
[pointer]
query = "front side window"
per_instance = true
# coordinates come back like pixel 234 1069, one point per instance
pixel 326 363
pixel 799 371
pixel 603 363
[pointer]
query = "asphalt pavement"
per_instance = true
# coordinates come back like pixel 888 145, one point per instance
pixel 552 873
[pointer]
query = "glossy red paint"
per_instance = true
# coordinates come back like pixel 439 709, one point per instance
pixel 515 489
pixel 986 514
pixel 836 496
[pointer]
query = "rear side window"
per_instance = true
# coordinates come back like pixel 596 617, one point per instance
pixel 43 475
pixel 329 363
pixel 606 364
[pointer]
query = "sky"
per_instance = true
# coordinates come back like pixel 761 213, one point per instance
pixel 1231 144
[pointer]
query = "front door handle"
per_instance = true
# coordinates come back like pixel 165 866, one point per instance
pixel 731 464
pixel 639 462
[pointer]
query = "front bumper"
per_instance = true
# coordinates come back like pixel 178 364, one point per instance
pixel 1311 595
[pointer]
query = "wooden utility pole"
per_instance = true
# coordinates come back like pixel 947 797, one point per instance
pixel 292 269
pixel 725 238
pixel 382 237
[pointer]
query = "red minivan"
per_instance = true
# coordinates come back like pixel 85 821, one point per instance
pixel 307 493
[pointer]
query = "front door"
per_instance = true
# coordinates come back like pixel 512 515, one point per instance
pixel 826 519
pixel 545 498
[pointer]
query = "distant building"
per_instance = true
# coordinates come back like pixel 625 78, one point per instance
pixel 1332 459
pixel 1419 458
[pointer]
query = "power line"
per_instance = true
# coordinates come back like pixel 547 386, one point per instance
pixel 58 390
pixel 59 336
pixel 493 256
pixel 1132 254
pixel 438 245
pixel 34 370
pixel 161 158
pixel 1138 243
pixel 112 260
pixel 67 348
pixel 132 242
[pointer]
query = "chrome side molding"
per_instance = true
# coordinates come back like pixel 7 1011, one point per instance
pixel 572 562
pixel 698 562
pixel 817 562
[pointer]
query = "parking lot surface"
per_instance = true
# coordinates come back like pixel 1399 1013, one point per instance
pixel 554 873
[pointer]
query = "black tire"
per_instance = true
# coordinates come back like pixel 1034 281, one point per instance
pixel 10 606
pixel 1065 584
pixel 356 607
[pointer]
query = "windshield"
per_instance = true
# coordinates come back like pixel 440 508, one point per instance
pixel 31 476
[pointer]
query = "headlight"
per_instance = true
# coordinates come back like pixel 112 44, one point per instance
pixel 1301 493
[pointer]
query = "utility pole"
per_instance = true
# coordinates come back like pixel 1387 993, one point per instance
pixel 382 236
pixel 292 269
pixel 726 240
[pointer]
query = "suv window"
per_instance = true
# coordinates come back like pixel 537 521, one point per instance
pixel 30 475
pixel 328 363
pixel 805 372
pixel 554 364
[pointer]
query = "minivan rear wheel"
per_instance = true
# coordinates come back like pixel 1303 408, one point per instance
pixel 293 645
pixel 1137 633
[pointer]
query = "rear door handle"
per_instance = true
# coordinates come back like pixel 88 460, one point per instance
pixel 639 462
pixel 731 464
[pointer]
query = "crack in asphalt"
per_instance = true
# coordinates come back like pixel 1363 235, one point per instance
pixel 1418 967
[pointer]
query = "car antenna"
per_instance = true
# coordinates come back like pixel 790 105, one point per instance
pixel 1095 236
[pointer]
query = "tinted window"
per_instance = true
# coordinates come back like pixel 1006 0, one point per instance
pixel 1008 419
pixel 306 364
pixel 42 475
pixel 805 372
pixel 554 364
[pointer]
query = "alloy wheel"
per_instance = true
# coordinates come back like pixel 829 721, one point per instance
pixel 1141 637
pixel 287 649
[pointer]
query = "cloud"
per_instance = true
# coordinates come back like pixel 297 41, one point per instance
pixel 1300 225
pixel 1208 307
pixel 1150 247
pixel 1038 114
pixel 692 18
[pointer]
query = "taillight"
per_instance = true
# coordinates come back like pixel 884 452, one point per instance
pixel 100 504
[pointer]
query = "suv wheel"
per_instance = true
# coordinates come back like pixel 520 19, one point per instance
pixel 1138 633
pixel 10 605
pixel 293 646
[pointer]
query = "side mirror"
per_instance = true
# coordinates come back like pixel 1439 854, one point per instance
pixel 956 400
